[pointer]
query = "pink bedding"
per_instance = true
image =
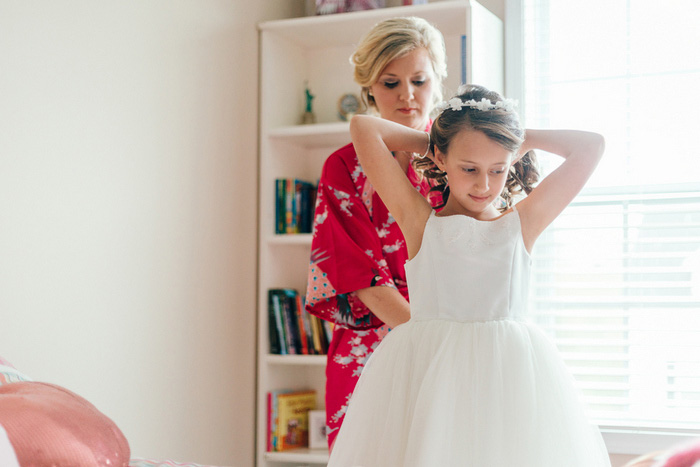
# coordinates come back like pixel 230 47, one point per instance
pixel 50 425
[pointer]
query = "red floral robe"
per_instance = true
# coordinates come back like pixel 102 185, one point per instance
pixel 356 244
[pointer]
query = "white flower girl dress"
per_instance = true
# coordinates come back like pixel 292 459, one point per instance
pixel 467 381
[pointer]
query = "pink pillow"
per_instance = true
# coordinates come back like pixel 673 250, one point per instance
pixel 686 455
pixel 49 425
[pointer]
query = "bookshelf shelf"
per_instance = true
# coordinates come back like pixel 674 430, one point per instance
pixel 315 50
pixel 319 360
pixel 314 456
pixel 289 239
pixel 319 135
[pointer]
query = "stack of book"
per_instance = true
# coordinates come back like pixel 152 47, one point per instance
pixel 288 419
pixel 294 206
pixel 293 331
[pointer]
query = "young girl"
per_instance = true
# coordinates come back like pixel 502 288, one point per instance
pixel 467 381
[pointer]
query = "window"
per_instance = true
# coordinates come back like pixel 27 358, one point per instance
pixel 616 279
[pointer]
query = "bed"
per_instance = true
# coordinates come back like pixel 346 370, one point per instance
pixel 683 455
pixel 45 424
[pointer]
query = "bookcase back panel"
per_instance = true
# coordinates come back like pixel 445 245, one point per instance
pixel 283 71
pixel 299 377
pixel 329 79
pixel 287 159
pixel 292 265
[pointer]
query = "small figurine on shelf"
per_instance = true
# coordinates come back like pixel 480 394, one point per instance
pixel 348 105
pixel 358 5
pixel 309 116
pixel 327 7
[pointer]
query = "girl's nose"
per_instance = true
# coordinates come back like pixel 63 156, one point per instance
pixel 482 183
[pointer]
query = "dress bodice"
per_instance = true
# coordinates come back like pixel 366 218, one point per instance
pixel 470 270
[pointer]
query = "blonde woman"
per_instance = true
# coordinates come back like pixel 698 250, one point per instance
pixel 356 276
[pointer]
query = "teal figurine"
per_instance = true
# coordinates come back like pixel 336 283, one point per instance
pixel 309 116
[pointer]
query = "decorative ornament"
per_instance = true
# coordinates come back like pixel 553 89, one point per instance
pixel 348 105
pixel 309 116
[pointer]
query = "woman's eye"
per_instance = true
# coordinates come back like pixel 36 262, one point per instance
pixel 391 84
pixel 419 82
pixel 498 171
pixel 469 169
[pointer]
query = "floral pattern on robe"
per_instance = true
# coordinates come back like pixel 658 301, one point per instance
pixel 356 244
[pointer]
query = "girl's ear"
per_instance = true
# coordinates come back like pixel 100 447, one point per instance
pixel 440 159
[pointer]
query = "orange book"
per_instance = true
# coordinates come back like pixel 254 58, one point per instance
pixel 293 419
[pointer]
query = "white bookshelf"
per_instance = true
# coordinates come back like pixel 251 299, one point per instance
pixel 317 50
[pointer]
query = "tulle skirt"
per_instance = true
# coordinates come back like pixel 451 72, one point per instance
pixel 484 394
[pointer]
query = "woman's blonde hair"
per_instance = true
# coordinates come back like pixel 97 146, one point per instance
pixel 391 39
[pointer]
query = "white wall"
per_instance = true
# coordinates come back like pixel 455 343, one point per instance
pixel 128 145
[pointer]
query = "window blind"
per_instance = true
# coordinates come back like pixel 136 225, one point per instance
pixel 616 278
pixel 616 284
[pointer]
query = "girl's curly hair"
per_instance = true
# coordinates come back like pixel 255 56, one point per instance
pixel 499 124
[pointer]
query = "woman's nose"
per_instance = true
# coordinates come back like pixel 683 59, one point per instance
pixel 406 92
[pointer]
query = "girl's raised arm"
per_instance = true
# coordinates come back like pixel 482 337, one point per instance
pixel 374 138
pixel 581 150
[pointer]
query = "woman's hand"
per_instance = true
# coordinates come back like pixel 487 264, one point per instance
pixel 386 303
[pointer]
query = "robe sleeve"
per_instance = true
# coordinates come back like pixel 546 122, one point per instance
pixel 346 251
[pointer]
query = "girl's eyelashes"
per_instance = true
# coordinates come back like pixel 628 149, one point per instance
pixel 494 171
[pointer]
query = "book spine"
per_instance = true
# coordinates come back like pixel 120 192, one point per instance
pixel 272 421
pixel 298 204
pixel 280 211
pixel 274 433
pixel 291 320
pixel 302 328
pixel 316 331
pixel 288 324
pixel 279 321
pixel 268 434
pixel 272 325
pixel 327 332
pixel 307 327
pixel 308 204
pixel 303 208
pixel 289 203
pixel 313 193
pixel 324 339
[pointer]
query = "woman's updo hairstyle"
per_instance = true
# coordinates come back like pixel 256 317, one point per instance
pixel 391 39
pixel 499 124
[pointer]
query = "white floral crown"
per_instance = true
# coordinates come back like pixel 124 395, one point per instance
pixel 484 104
